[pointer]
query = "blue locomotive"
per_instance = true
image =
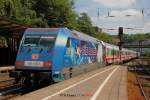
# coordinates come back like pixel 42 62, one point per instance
pixel 55 54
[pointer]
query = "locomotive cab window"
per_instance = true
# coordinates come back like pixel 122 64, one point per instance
pixel 47 41
pixel 31 40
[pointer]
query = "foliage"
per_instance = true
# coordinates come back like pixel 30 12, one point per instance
pixel 135 37
pixel 19 10
pixel 85 24
pixel 7 8
pixel 104 37
pixel 147 54
pixel 49 13
pixel 147 35
pixel 72 21
pixel 57 13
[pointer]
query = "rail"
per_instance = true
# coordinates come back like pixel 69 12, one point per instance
pixel 141 88
pixel 140 84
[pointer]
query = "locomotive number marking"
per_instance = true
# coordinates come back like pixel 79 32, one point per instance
pixel 34 63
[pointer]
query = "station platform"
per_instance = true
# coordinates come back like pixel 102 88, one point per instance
pixel 107 83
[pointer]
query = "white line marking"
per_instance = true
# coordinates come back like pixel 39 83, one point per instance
pixel 73 85
pixel 102 85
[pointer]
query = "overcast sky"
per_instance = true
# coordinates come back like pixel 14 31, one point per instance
pixel 128 14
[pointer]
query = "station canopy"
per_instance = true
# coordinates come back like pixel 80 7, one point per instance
pixel 11 27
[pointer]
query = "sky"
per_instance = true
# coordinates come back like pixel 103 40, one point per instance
pixel 125 13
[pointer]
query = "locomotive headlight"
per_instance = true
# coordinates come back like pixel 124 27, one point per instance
pixel 19 63
pixel 48 64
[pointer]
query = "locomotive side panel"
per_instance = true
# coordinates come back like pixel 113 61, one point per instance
pixel 79 54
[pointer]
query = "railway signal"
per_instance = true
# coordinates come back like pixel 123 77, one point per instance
pixel 120 33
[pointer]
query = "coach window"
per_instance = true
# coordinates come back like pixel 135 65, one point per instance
pixel 111 52
pixel 108 51
pixel 96 47
pixel 115 52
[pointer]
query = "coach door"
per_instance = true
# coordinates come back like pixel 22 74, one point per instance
pixel 100 53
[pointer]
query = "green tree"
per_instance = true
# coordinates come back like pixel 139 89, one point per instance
pixel 147 54
pixel 7 8
pixel 58 13
pixel 147 35
pixel 20 10
pixel 85 24
pixel 72 21
pixel 104 37
pixel 29 15
pixel 135 37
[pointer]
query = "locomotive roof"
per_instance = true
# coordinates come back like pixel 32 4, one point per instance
pixel 73 33
pixel 41 30
pixel 85 37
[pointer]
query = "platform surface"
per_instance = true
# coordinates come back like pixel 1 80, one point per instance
pixel 108 83
pixel 6 68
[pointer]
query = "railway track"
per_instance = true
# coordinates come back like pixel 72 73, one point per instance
pixel 141 69
pixel 13 91
pixel 9 90
pixel 7 87
pixel 9 81
pixel 141 76
pixel 144 93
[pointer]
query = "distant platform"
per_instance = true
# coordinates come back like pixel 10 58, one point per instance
pixel 6 69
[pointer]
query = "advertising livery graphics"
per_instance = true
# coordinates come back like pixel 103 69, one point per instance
pixel 79 52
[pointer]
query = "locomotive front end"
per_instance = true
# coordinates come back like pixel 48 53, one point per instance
pixel 35 53
pixel 35 58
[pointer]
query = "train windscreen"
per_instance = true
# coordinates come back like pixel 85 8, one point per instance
pixel 47 41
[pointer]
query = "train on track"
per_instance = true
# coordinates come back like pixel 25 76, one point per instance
pixel 50 55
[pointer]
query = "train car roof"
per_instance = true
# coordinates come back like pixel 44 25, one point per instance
pixel 111 46
pixel 117 48
pixel 128 50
